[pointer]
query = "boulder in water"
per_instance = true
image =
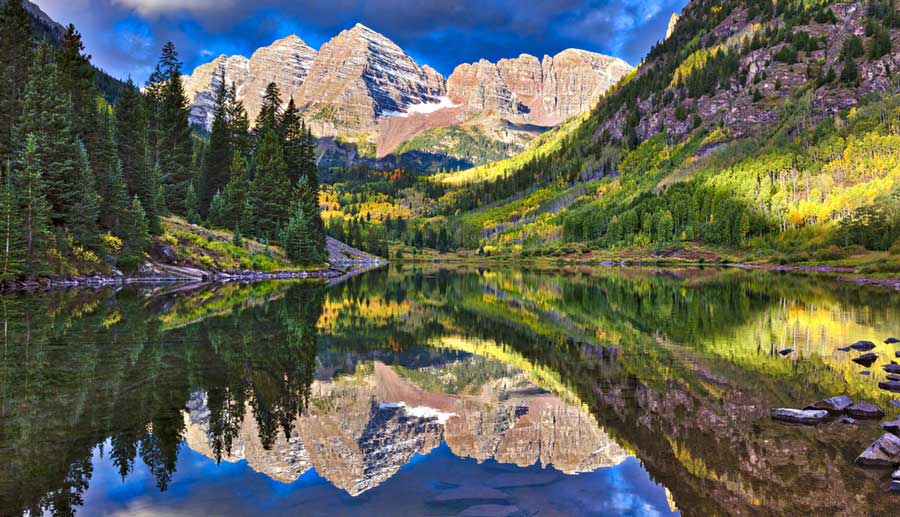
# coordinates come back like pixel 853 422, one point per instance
pixel 892 427
pixel 836 404
pixel 884 452
pixel 799 416
pixel 863 346
pixel 890 386
pixel 863 409
pixel 866 359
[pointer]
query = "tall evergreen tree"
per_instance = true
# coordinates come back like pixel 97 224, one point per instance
pixel 12 259
pixel 108 171
pixel 293 133
pixel 239 123
pixel 236 194
pixel 76 79
pixel 174 146
pixel 270 111
pixel 297 241
pixel 271 187
pixel 135 154
pixel 15 58
pixel 47 116
pixel 34 210
pixel 83 210
pixel 216 166
pixel 135 229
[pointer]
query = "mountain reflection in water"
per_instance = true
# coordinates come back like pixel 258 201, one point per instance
pixel 441 391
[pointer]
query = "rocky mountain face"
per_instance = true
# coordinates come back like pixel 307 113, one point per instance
pixel 361 88
pixel 285 62
pixel 359 433
pixel 773 67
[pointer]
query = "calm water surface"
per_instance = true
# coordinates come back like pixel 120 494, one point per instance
pixel 420 391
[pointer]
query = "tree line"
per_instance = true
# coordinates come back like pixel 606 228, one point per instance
pixel 84 183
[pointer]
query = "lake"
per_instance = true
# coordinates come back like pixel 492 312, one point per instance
pixel 425 390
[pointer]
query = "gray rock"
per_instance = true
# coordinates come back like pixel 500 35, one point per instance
pixel 836 404
pixel 893 377
pixel 799 416
pixel 492 510
pixel 884 452
pixel 863 409
pixel 891 341
pixel 866 359
pixel 863 346
pixel 892 427
pixel 890 386
pixel 892 368
pixel 896 474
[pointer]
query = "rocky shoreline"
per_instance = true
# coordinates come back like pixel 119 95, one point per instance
pixel 157 274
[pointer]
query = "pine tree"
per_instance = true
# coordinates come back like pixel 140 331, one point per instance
pixel 270 111
pixel 217 211
pixel 238 124
pixel 34 210
pixel 47 115
pixel 12 260
pixel 191 201
pixel 139 171
pixel 293 134
pixel 235 195
pixel 136 230
pixel 15 59
pixel 108 171
pixel 174 145
pixel 84 207
pixel 271 187
pixel 850 73
pixel 297 243
pixel 217 162
pixel 76 79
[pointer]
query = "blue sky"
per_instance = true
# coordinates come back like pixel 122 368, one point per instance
pixel 124 36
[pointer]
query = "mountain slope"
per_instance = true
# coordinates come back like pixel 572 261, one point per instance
pixel 755 125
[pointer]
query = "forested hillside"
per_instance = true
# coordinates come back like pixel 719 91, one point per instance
pixel 85 183
pixel 771 127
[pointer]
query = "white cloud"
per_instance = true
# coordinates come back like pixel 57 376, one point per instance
pixel 159 7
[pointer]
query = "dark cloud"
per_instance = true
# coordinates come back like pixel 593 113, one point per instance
pixel 124 35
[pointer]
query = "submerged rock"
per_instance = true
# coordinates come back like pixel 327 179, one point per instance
pixel 844 348
pixel 846 420
pixel 836 404
pixel 799 416
pixel 866 359
pixel 863 409
pixel 884 452
pixel 890 386
pixel 863 346
pixel 892 427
